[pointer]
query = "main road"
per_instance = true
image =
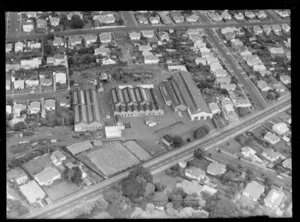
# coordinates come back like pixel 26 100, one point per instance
pixel 164 161
pixel 132 26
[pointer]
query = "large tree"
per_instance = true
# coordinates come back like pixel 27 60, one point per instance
pixel 177 141
pixel 19 126
pixel 199 154
pixel 76 22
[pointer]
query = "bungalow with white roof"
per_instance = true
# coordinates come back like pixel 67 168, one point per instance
pixel 31 63
pixel 192 18
pixel 214 108
pixel 34 45
pixel 199 60
pixel 274 199
pixel 135 35
pixel 49 104
pixel 286 27
pixel 8 109
pixel 19 47
pixel 57 157
pixel 8 47
pixel 280 128
pixel 33 192
pixel 263 85
pixel 7 84
pixel 19 84
pixel 17 108
pixel 223 79
pixel 105 37
pixel 249 14
pixel 90 39
pixel 254 190
pixel 102 51
pixel 31 83
pixel 276 50
pixel 148 33
pixel 47 176
pixel 285 79
pixel 271 155
pixel 195 173
pixel 54 21
pixel 287 163
pixel 151 59
pixel 58 41
pixel 271 138
pixel 28 26
pixel 34 107
pixel 239 16
pixel 74 40
pixel 257 30
pixel 261 14
pixel 154 19
pixel 108 61
pixel 228 86
pixel 216 168
pixel 60 77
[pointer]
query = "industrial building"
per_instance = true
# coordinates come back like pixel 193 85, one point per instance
pixel 86 108
pixel 135 101
pixel 182 94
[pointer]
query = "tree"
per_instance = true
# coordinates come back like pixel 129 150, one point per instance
pixel 159 187
pixel 20 126
pixel 201 132
pixel 177 141
pixel 76 22
pixel 231 167
pixel 199 154
pixel 74 175
pixel 48 49
pixel 268 182
pixel 149 189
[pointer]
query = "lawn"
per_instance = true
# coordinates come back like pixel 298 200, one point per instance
pixel 38 164
pixel 60 189
pixel 112 159
pixel 231 146
pixel 167 180
pixel 137 150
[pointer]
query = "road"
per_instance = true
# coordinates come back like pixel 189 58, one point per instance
pixel 159 163
pixel 132 27
pixel 238 71
pixel 37 95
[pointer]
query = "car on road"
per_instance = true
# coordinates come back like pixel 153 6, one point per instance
pixel 280 177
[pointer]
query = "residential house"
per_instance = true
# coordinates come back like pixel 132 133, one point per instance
pixel 287 43
pixel 34 107
pixel 19 46
pixel 47 176
pixel 283 13
pixel 28 26
pixel 50 60
pixel 19 84
pixel 214 108
pixel 209 190
pixel 223 79
pixel 54 21
pixel 148 33
pixel 31 63
pixel 105 37
pixel 113 131
pixel 17 175
pixel 271 155
pixel 195 173
pixel 220 72
pixel 228 86
pixel 142 19
pixel 199 60
pixel 151 59
pixel 8 47
pixel 34 45
pixel 154 19
pixel 31 83
pixel 8 109
pixel 81 147
pixel 41 24
pixel 177 17
pixel 263 85
pixel 102 51
pixel 287 163
pixel 135 35
pixel 108 61
pixel 167 140
pixel 74 40
pixel 271 138
pixel 7 84
pixel 49 104
pixel 285 79
pixel 60 77
pixel 33 192
pixel 280 128
pixel 17 108
pixel 57 157
pixel 276 29
pixel 239 16
pixel 257 30
pixel 274 198
pixel 90 39
pixel 216 168
pixel 285 27
pixel 105 19
pixel 182 164
pixel 192 18
pixel 261 14
pixel 249 14
pixel 276 50
pixel 31 14
pixel 254 190
pixel 45 82
pixel 228 110
pixel 70 14
pixel 226 15
pixel 250 153
pixel 267 29
pixel 60 59
pixel 58 42
pixel 190 187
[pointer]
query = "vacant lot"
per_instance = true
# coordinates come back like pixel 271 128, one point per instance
pixel 231 146
pixel 112 159
pixel 60 189
pixel 167 180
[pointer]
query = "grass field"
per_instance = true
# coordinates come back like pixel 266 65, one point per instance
pixel 37 165
pixel 137 150
pixel 231 146
pixel 112 159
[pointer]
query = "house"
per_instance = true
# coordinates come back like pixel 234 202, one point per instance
pixel 113 131
pixel 31 63
pixel 19 84
pixel 148 33
pixel 154 20
pixel 19 46
pixel 167 140
pixel 223 79
pixel 31 83
pixel 261 14
pixel 135 35
pixel 80 147
pixel 192 18
pixel 249 153
pixel 45 82
pixel 257 30
pixel 74 40
pixel 41 24
pixel 17 175
pixel 142 19
pixel 108 61
pixel 228 86
pixel 28 26
pixel 190 187
pixel 276 50
pixel 17 108
pixel 7 84
pixel 60 77
pixel 54 21
pixel 226 15
pixel 8 47
pixel 199 60
pixel 8 109
pixel 34 107
pixel 239 16
pixel 70 14
pixel 49 104
pixel 220 72
pixel 254 190
pixel 105 37
pixel 105 19
pixel 195 173
pixel 58 41
pixel 182 164
pixel 60 59
pixel 285 79
pixel 272 155
pixel 287 163
pixel 271 138
pixel 31 14
pixel 285 27
pixel 33 192
pixel 263 85
pixel 214 108
pixel 276 29
pixel 249 14
pixel 216 168
pixel 274 198
pixel 47 176
pixel 209 190
pixel 102 51
pixel 283 13
pixel 34 45
pixel 267 29
pixel 177 17
pixel 90 39
pixel 50 60
pixel 151 59
pixel 57 157
pixel 280 128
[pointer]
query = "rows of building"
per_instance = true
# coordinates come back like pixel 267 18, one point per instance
pixel 182 94
pixel 134 101
pixel 86 110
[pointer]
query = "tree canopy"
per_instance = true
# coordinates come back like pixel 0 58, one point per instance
pixel 76 22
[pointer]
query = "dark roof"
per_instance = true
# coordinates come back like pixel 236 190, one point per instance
pixel 164 92
pixel 168 138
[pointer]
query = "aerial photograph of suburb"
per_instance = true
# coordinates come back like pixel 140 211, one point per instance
pixel 148 114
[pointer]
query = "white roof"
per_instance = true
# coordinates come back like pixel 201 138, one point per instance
pixel 32 191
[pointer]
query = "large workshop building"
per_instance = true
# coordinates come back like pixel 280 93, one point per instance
pixel 135 101
pixel 86 109
pixel 180 92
